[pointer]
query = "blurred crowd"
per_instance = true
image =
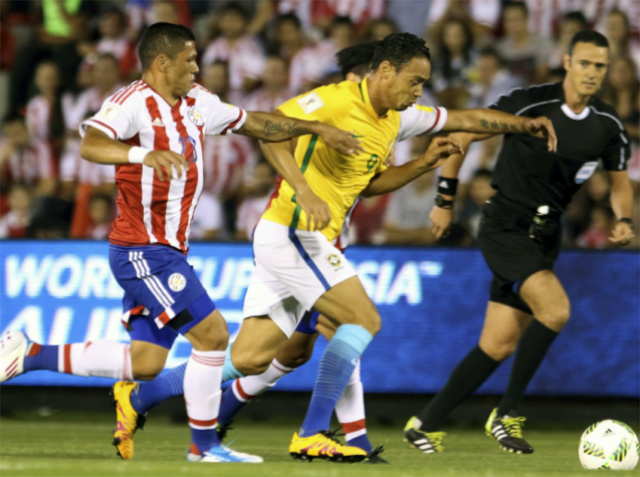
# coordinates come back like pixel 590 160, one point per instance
pixel 61 58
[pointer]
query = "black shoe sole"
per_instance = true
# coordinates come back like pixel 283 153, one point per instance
pixel 340 459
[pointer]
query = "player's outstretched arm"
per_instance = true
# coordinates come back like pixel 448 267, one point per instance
pixel 491 121
pixel 277 127
pixel 622 205
pixel 97 147
pixel 280 156
pixel 441 216
pixel 395 177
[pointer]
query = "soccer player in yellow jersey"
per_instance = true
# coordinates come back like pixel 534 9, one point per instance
pixel 298 268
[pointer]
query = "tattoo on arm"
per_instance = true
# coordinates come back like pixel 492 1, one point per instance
pixel 496 126
pixel 277 128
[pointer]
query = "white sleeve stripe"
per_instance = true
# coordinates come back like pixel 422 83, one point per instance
pixel 441 121
pixel 435 123
pixel 237 124
pixel 94 123
pixel 609 116
pixel 536 104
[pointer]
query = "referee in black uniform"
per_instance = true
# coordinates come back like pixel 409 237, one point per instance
pixel 520 234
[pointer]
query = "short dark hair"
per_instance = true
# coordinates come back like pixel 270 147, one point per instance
pixel 356 58
pixel 162 38
pixel 340 20
pixel 289 18
pixel 588 36
pixel 108 56
pixel 576 16
pixel 516 4
pixel 398 49
pixel 235 7
pixel 489 50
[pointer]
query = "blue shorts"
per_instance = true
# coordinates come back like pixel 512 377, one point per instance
pixel 163 297
pixel 308 323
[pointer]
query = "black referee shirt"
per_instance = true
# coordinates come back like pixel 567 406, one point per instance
pixel 529 175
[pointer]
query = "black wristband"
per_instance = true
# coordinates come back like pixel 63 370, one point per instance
pixel 627 221
pixel 447 186
pixel 443 203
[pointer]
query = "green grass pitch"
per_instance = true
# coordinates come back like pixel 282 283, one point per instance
pixel 78 444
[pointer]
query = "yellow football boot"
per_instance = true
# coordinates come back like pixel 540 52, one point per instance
pixel 127 419
pixel 324 445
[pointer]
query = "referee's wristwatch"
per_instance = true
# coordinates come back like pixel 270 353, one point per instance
pixel 443 203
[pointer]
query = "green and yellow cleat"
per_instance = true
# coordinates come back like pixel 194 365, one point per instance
pixel 427 442
pixel 507 430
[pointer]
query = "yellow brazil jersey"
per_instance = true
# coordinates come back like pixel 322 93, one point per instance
pixel 336 178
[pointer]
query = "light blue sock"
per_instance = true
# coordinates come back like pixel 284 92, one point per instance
pixel 229 371
pixel 150 393
pixel 336 366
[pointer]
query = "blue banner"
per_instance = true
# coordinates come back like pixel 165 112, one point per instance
pixel 431 300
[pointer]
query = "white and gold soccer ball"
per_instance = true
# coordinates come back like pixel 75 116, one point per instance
pixel 610 445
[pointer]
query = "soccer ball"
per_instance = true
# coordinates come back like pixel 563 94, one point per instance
pixel 609 444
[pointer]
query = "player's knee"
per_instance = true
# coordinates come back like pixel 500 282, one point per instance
pixel 557 317
pixel 368 319
pixel 295 359
pixel 557 320
pixel 250 364
pixel 146 371
pixel 498 350
pixel 209 335
pixel 372 323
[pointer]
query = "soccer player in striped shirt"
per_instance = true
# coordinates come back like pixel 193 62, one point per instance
pixel 153 131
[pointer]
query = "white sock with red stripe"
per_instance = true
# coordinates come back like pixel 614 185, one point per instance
pixel 250 386
pixel 103 358
pixel 202 379
pixel 242 390
pixel 350 412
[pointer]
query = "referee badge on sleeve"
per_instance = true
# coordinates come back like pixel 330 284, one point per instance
pixel 586 171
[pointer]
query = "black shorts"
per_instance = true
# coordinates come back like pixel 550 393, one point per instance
pixel 512 255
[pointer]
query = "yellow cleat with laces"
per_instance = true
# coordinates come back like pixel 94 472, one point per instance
pixel 507 430
pixel 324 445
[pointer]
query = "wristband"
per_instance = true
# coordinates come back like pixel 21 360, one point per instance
pixel 137 154
pixel 443 203
pixel 627 221
pixel 447 186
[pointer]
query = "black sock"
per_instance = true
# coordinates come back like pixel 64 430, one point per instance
pixel 532 348
pixel 470 373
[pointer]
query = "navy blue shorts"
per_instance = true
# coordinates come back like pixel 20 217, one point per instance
pixel 308 323
pixel 163 297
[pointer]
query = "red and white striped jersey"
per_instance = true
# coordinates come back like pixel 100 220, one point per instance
pixel 153 211
pixel 227 163
pixel 263 100
pixel 245 58
pixel 31 164
pixel 72 167
pixel 38 115
pixel 313 12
